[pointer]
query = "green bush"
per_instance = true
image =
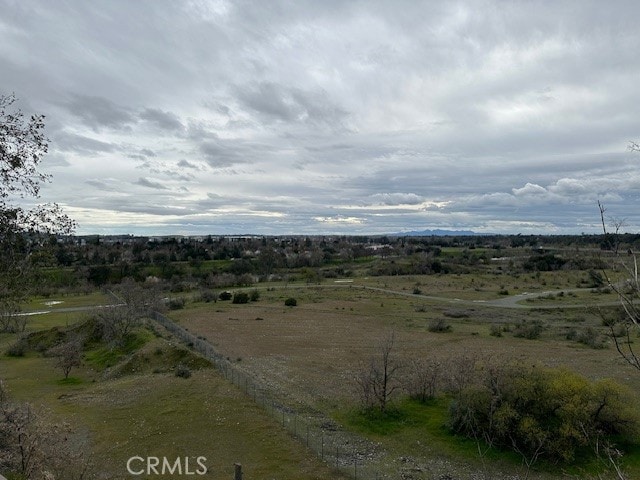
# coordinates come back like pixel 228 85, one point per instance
pixel 255 295
pixel 18 348
pixel 176 303
pixel 439 325
pixel 183 371
pixel 495 330
pixel 240 297
pixel 545 413
pixel 225 295
pixel 529 330
pixel 591 338
pixel 290 302
pixel 208 296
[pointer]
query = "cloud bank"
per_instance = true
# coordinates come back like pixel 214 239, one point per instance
pixel 332 117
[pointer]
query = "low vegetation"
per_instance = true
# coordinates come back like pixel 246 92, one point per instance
pixel 541 413
pixel 445 300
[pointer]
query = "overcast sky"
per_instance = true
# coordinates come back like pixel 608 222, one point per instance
pixel 359 117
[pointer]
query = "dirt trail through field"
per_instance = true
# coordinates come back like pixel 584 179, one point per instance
pixel 510 301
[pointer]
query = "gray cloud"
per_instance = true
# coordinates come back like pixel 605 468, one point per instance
pixel 164 120
pixel 98 112
pixel 71 142
pixel 146 182
pixel 292 105
pixel 397 198
pixel 186 164
pixel 350 117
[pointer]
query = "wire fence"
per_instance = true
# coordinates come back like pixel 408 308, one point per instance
pixel 341 450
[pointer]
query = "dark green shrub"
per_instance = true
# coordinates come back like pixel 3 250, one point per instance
pixel 240 297
pixel 529 330
pixel 572 334
pixel 225 296
pixel 255 295
pixel 439 325
pixel 18 348
pixel 208 296
pixel 183 371
pixel 591 338
pixel 176 303
pixel 495 330
pixel 545 262
pixel 290 302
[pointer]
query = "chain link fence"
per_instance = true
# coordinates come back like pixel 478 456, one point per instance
pixel 341 450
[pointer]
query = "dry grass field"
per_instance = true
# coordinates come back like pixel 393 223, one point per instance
pixel 307 357
pixel 316 347
pixel 310 354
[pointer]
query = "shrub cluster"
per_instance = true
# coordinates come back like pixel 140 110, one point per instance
pixel 543 413
pixel 529 330
pixel 182 371
pixel 240 297
pixel 439 325
pixel 176 303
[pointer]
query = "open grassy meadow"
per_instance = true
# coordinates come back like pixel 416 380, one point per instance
pixel 294 369
pixel 310 354
pixel 138 407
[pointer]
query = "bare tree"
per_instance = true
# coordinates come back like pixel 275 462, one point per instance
pixel 424 378
pixel 137 302
pixel 68 355
pixel 10 319
pixel 33 448
pixel 628 291
pixel 378 382
pixel 461 371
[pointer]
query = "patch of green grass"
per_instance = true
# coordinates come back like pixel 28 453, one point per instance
pixel 70 381
pixel 159 356
pixel 55 302
pixel 410 423
pixel 53 319
pixel 161 415
pixel 105 356
pixel 378 423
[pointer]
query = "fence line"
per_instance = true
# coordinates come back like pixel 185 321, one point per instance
pixel 325 440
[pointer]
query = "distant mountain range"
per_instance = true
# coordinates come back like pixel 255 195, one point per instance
pixel 435 233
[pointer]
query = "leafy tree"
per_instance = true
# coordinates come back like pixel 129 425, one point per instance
pixel 22 229
pixel 546 262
